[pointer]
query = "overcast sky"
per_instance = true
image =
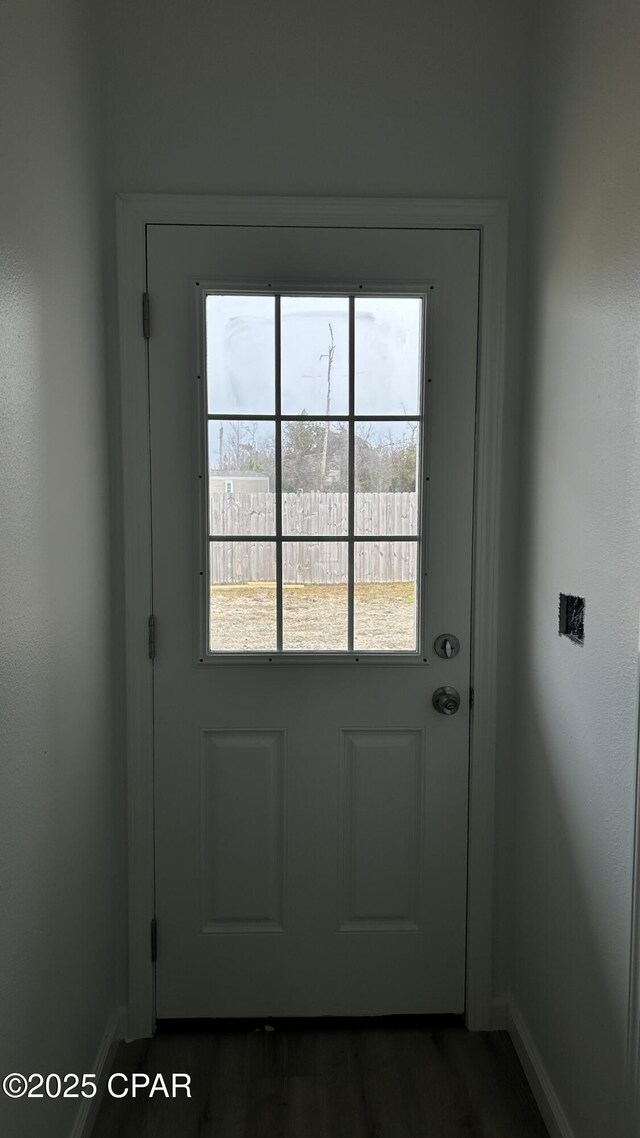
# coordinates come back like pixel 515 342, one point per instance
pixel 241 350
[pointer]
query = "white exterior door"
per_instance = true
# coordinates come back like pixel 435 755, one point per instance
pixel 312 408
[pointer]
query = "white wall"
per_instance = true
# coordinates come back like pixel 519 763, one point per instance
pixel 577 713
pixel 58 924
pixel 425 98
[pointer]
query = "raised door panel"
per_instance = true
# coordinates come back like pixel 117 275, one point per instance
pixel 381 827
pixel 243 827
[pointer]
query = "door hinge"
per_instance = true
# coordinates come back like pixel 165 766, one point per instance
pixel 471 697
pixel 145 316
pixel 154 940
pixel 152 637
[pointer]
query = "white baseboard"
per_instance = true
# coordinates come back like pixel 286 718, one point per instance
pixel 88 1109
pixel 538 1078
pixel 500 1013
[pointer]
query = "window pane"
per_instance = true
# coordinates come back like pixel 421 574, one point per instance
pixel 242 605
pixel 241 477
pixel 315 478
pixel 388 350
pixel 315 595
pixel 240 334
pixel 386 476
pixel 315 355
pixel 385 605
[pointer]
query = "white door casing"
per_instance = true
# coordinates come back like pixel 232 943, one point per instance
pixel 343 214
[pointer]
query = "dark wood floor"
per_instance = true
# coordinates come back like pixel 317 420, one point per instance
pixel 371 1082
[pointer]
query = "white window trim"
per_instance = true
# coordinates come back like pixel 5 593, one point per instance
pixel 489 217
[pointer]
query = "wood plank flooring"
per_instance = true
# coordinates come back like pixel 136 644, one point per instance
pixel 317 1082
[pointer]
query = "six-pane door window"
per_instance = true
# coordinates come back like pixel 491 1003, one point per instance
pixel 314 410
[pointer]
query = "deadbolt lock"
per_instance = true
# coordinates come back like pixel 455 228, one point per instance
pixel 447 646
pixel 446 700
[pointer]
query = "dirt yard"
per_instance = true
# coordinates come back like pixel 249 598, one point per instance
pixel 243 617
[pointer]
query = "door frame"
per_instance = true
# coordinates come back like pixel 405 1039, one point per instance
pixel 633 1016
pixel 134 212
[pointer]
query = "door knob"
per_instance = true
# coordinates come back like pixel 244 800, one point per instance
pixel 446 700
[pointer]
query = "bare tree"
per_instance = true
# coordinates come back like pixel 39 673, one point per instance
pixel 328 356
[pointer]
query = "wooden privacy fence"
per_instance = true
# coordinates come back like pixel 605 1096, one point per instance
pixel 312 514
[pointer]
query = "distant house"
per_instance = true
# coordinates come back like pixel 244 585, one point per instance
pixel 238 482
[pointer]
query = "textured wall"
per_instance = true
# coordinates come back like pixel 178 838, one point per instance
pixel 57 928
pixel 367 97
pixel 577 712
